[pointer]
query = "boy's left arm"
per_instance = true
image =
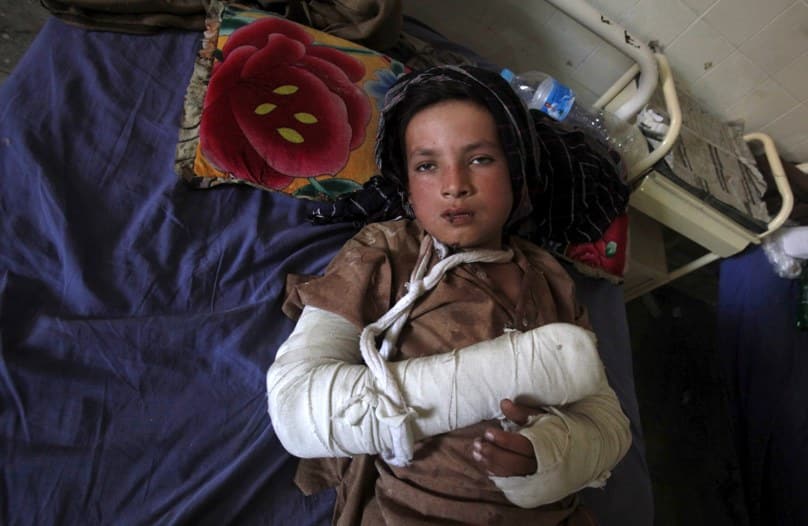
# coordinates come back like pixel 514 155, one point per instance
pixel 574 446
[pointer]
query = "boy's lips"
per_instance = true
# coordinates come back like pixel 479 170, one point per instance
pixel 458 216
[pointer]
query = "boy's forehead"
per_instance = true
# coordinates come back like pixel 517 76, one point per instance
pixel 462 117
pixel 450 130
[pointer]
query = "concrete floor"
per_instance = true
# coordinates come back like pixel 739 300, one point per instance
pixel 683 406
pixel 682 400
pixel 20 21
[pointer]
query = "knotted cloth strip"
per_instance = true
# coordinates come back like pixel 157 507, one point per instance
pixel 397 415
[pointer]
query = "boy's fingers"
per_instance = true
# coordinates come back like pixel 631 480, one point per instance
pixel 501 462
pixel 517 413
pixel 513 442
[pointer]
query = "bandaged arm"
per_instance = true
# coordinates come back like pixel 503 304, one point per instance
pixel 324 402
pixel 576 446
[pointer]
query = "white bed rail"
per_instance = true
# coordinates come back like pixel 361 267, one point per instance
pixel 780 181
pixel 661 201
pixel 620 38
pixel 665 203
pixel 674 111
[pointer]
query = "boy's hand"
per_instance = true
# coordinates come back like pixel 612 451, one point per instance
pixel 505 454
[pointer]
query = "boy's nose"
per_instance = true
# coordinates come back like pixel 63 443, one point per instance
pixel 456 183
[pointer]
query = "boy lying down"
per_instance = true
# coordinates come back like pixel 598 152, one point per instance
pixel 486 401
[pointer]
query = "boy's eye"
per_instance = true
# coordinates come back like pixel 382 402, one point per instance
pixel 424 167
pixel 482 159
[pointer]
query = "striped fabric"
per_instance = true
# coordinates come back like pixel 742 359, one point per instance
pixel 585 187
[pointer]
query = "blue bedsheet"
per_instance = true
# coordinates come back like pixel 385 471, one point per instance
pixel 138 316
pixel 765 364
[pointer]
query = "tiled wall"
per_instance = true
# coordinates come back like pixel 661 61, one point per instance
pixel 745 59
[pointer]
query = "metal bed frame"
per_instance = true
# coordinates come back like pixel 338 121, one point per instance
pixel 655 200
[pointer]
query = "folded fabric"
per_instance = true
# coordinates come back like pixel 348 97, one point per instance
pixel 132 16
pixel 372 23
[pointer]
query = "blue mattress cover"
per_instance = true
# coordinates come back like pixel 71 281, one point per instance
pixel 764 357
pixel 138 316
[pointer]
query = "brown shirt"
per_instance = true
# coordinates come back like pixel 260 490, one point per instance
pixel 443 483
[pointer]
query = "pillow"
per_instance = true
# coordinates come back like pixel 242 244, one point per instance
pixel 283 107
pixel 604 258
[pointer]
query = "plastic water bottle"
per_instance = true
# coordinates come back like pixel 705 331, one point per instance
pixel 539 91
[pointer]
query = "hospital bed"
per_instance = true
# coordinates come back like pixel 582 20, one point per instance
pixel 139 313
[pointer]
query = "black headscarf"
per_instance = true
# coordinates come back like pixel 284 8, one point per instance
pixel 567 188
pixel 486 88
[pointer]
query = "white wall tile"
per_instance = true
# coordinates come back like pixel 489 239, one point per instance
pixel 614 9
pixel 522 53
pixel 794 78
pixel 438 15
pixel 602 68
pixel 516 23
pixel 571 41
pixel 537 36
pixel 467 22
pixel 661 20
pixel 700 6
pixel 696 51
pixel 790 131
pixel 728 82
pixel 782 41
pixel 796 153
pixel 511 52
pixel 510 33
pixel 764 104
pixel 759 50
pixel 583 93
pixel 740 19
pixel 526 14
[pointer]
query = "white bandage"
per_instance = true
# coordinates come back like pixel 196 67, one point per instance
pixel 576 447
pixel 323 401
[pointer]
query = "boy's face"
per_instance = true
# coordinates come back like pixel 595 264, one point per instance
pixel 459 183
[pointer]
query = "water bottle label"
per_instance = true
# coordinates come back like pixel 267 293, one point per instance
pixel 559 101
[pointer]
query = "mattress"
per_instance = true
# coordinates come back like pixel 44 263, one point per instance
pixel 138 315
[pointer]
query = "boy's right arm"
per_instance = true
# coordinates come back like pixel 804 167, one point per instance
pixel 324 402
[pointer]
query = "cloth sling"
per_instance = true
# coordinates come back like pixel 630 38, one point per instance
pixel 396 413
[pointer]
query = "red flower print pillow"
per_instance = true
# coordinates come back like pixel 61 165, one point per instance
pixel 282 107
pixel 604 258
